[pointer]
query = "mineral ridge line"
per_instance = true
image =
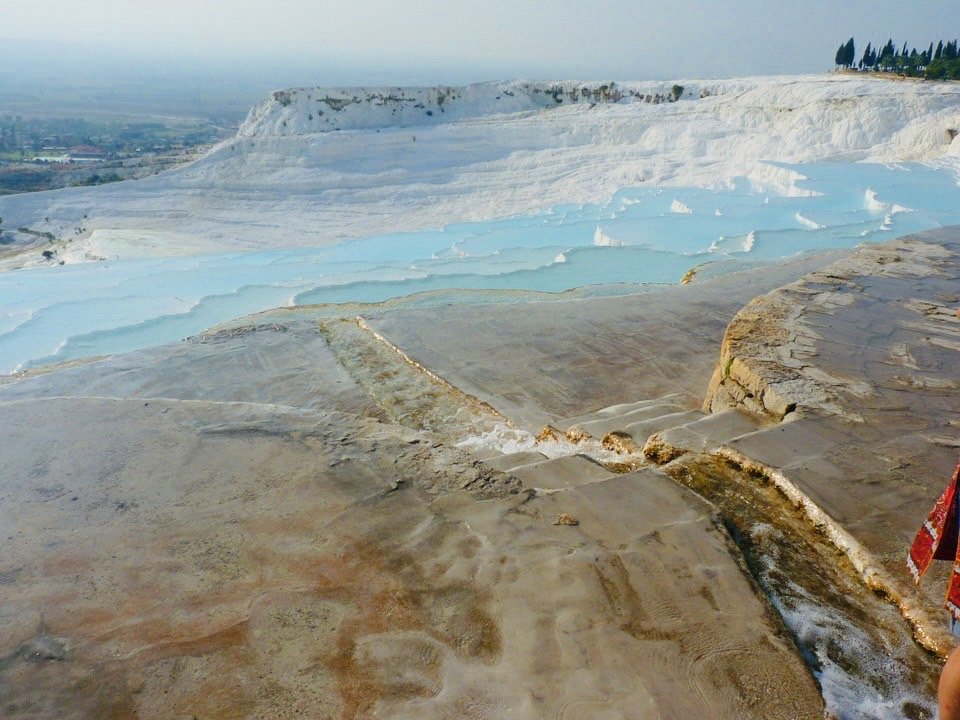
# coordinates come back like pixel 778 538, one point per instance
pixel 472 399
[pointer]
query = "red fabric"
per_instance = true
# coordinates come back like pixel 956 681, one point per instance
pixel 937 540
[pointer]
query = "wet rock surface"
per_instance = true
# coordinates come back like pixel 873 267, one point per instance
pixel 556 360
pixel 243 525
pixel 273 519
pixel 862 358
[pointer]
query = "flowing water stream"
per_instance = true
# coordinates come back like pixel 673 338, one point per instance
pixel 860 648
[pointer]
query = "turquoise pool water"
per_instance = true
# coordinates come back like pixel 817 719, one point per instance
pixel 641 235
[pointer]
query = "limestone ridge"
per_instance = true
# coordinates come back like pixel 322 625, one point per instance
pixel 768 364
pixel 299 111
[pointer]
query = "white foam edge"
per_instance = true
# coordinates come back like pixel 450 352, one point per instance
pixel 507 439
pixel 807 222
pixel 872 203
pixel 601 239
pixel 844 694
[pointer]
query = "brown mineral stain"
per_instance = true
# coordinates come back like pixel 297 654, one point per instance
pixel 67 563
pixel 218 700
pixel 187 645
pixel 388 589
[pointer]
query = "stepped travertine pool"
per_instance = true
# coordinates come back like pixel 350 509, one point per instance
pixel 640 236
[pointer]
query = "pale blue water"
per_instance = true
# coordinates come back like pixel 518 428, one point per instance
pixel 59 313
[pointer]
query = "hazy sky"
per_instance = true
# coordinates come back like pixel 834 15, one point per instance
pixel 461 40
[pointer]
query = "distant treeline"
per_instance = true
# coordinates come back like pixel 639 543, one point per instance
pixel 933 63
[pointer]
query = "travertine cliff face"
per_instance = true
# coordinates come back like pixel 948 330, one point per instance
pixel 301 111
pixel 749 375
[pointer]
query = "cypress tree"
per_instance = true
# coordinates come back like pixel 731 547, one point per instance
pixel 934 63
pixel 886 55
pixel 840 56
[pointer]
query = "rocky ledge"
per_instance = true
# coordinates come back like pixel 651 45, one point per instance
pixel 770 359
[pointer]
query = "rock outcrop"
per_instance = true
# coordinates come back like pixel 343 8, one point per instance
pixel 768 362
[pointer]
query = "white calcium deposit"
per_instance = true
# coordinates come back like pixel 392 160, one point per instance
pixel 312 166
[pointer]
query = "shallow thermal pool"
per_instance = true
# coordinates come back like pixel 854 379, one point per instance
pixel 641 235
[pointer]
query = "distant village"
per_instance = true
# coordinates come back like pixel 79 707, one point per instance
pixel 65 139
pixel 46 153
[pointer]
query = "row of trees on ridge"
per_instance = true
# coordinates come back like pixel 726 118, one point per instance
pixel 934 63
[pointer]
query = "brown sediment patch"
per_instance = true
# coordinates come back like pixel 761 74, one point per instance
pixel 385 640
pixel 390 594
pixel 190 645
pixel 66 690
pixel 221 607
pixel 549 433
pixel 67 562
pixel 624 603
pixel 364 680
pixel 621 443
pixel 401 597
pixel 220 701
pixel 219 685
pixel 359 689
pixel 137 628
